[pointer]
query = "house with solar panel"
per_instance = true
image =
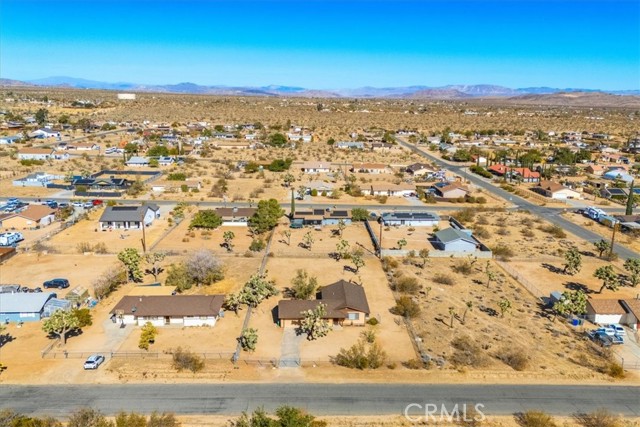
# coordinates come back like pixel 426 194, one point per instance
pixel 317 216
pixel 410 219
pixel 129 217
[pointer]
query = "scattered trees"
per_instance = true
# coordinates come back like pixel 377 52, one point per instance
pixel 154 260
pixel 228 237
pixel 207 218
pixel 602 246
pixel 608 276
pixel 256 290
pixel 266 217
pixel 249 339
pixel 573 261
pixel 314 323
pixel 571 303
pixel 632 265
pixel 287 235
pixel 424 255
pixel 232 302
pixel 357 259
pixel 402 243
pixel 131 258
pixel 308 240
pixel 60 323
pixel 303 286
pixel 341 226
pixel 342 249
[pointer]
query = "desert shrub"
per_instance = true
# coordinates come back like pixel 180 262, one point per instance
pixel 599 418
pixel 406 307
pixel 389 263
pixel 479 170
pixel 407 285
pixel 481 200
pixel 468 353
pixel 462 267
pixel 177 176
pixel 100 248
pixel 358 357
pixel 503 231
pixel 369 336
pixel 502 252
pixel 373 321
pixel 83 247
pixel 527 232
pixel 31 162
pixel 185 359
pixel 257 245
pixel 416 364
pixel 482 232
pixel 515 357
pixel 535 419
pixel 554 230
pixel 465 215
pixel 147 336
pixel 615 370
pixel 109 281
pixel 444 279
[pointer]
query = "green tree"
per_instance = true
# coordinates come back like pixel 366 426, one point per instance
pixel 602 246
pixel 504 305
pixel 147 335
pixel 288 178
pixel 228 237
pixel 303 286
pixel 266 217
pixel 277 140
pixel 131 259
pixel 314 323
pixel 153 260
pixel 232 302
pixel 178 277
pixel 60 323
pixel 609 278
pixel 406 307
pixel 84 317
pixel 154 163
pixel 491 275
pixel 572 261
pixel 632 265
pixel 158 151
pixel 424 255
pixel 359 214
pixel 207 218
pixel 42 115
pixel 256 290
pixel 357 259
pixel 571 303
pixel 249 339
pixel 630 200
pixel 204 267
pixel 341 226
pixel 342 249
pixel 402 243
pixel 130 420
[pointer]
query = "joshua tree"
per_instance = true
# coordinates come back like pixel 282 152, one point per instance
pixel 357 260
pixel 287 235
pixel 609 278
pixel 632 265
pixel 602 246
pixel 491 275
pixel 573 261
pixel 308 240
pixel 342 249
pixel 341 226
pixel 452 313
pixel 505 305
pixel 249 339
pixel 469 308
pixel 402 243
pixel 228 237
pixel 314 324
pixel 424 255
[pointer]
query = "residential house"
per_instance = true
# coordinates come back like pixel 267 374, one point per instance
pixel 618 174
pixel 411 219
pixel 138 161
pixel 34 216
pixel 82 146
pixel 345 305
pixel 161 310
pixel 419 169
pixel 555 191
pixel 111 183
pixel 6 140
pixel 382 146
pixel 23 307
pixel 44 133
pixel 321 188
pixel 596 170
pixel 41 154
pixel 449 190
pixel 632 308
pixel 314 167
pixel 524 174
pixel 605 310
pixel 165 161
pixel 349 145
pixel 614 193
pixel 236 216
pixel 128 217
pixel 373 168
pixel 454 240
pixel 317 216
pixel 6 252
pixel 390 190
pixel 37 179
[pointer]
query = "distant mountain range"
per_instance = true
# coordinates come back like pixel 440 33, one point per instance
pixel 458 92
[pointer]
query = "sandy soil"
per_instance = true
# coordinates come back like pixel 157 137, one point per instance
pixel 627 240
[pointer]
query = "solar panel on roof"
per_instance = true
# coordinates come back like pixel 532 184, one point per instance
pixel 616 191
pixel 124 208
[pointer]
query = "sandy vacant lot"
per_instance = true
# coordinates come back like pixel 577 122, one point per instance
pixel 625 239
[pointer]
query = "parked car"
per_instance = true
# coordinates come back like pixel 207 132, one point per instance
pixel 617 339
pixel 93 361
pixel 619 330
pixel 87 205
pixel 607 331
pixel 63 205
pixel 96 202
pixel 56 283
pixel 77 204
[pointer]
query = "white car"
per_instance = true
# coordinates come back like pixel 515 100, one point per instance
pixel 606 330
pixel 94 361
pixel 619 330
pixel 77 204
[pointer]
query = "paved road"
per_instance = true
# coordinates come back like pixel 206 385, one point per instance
pixel 320 399
pixel 550 214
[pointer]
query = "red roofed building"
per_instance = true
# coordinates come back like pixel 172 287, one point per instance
pixel 526 174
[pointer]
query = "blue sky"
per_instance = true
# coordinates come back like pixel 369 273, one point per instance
pixel 326 44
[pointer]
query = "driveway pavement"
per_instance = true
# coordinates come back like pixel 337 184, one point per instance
pixel 290 348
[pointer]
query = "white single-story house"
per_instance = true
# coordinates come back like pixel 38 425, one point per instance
pixel 411 219
pixel 321 187
pixel 23 307
pixel 454 240
pixel 44 133
pixel 374 168
pixel 605 311
pixel 4 140
pixel 347 145
pixel 128 217
pixel 555 191
pixel 138 161
pixel 161 310
pixel 37 179
pixel 82 146
pixel 41 154
pixel 166 161
pixel 236 216
pixel 390 189
pixel 314 167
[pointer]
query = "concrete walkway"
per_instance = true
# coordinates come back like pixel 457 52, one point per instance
pixel 290 349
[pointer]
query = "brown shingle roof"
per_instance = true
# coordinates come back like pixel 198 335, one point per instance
pixel 33 212
pixel 171 305
pixel 293 309
pixel 36 151
pixel 552 186
pixel 632 306
pixel 238 213
pixel 606 306
pixel 338 298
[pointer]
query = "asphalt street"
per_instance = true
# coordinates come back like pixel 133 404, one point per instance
pixel 552 215
pixel 319 399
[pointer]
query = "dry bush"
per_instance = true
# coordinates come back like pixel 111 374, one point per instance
pixel 185 359
pixel 599 418
pixel 406 307
pixel 406 284
pixel 517 358
pixel 527 232
pixel 465 216
pixel 462 267
pixel 83 247
pixel 416 364
pixel 468 353
pixel 482 232
pixel 389 263
pixel 444 279
pixel 554 230
pixel 535 419
pixel 615 370
pixel 502 252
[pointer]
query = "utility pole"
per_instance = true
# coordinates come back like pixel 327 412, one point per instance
pixel 613 238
